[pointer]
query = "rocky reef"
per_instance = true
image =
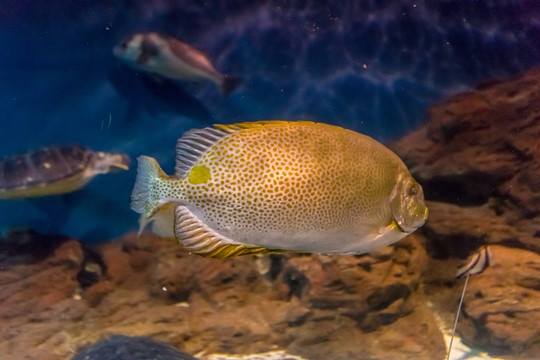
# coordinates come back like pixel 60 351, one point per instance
pixel 478 160
pixel 314 306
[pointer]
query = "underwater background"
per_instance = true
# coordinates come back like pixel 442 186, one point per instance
pixel 452 86
pixel 371 66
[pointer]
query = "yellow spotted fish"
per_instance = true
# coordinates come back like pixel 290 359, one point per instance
pixel 270 186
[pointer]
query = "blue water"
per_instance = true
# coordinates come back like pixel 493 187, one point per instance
pixel 372 66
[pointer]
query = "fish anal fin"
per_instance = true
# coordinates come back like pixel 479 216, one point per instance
pixel 228 251
pixel 198 238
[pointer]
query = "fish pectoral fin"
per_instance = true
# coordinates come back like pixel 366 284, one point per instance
pixel 143 222
pixel 198 238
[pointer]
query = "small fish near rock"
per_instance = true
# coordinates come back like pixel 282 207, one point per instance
pixel 478 262
pixel 173 59
pixel 55 170
pixel 271 186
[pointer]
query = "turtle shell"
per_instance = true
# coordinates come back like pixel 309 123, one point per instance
pixel 55 168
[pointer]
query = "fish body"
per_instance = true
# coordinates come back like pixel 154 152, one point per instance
pixel 172 59
pixel 275 185
pixel 54 170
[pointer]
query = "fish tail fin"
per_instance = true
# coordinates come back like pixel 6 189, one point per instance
pixel 229 84
pixel 145 197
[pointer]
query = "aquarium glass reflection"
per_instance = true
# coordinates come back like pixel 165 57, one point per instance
pixel 265 179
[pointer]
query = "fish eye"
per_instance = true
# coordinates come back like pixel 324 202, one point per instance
pixel 413 189
pixel 124 44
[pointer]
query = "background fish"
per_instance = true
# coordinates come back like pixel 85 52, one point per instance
pixel 173 59
pixel 274 185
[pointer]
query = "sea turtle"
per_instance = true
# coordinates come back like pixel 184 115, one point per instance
pixel 54 170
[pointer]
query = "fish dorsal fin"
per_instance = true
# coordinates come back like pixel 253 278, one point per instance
pixel 258 124
pixel 194 143
pixel 198 238
pixel 192 146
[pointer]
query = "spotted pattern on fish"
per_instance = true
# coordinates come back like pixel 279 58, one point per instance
pixel 270 178
pixel 282 185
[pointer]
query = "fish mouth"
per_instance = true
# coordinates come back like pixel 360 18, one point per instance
pixel 410 228
pixel 396 225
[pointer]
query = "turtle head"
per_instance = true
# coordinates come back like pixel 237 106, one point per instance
pixel 109 162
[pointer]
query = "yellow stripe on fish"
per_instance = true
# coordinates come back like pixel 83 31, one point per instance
pixel 276 185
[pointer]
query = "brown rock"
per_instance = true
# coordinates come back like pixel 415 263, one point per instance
pixel 316 306
pixel 482 145
pixel 117 262
pixel 35 297
pixel 478 160
pixel 455 231
pixel 373 289
pixel 501 310
pixel 95 293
